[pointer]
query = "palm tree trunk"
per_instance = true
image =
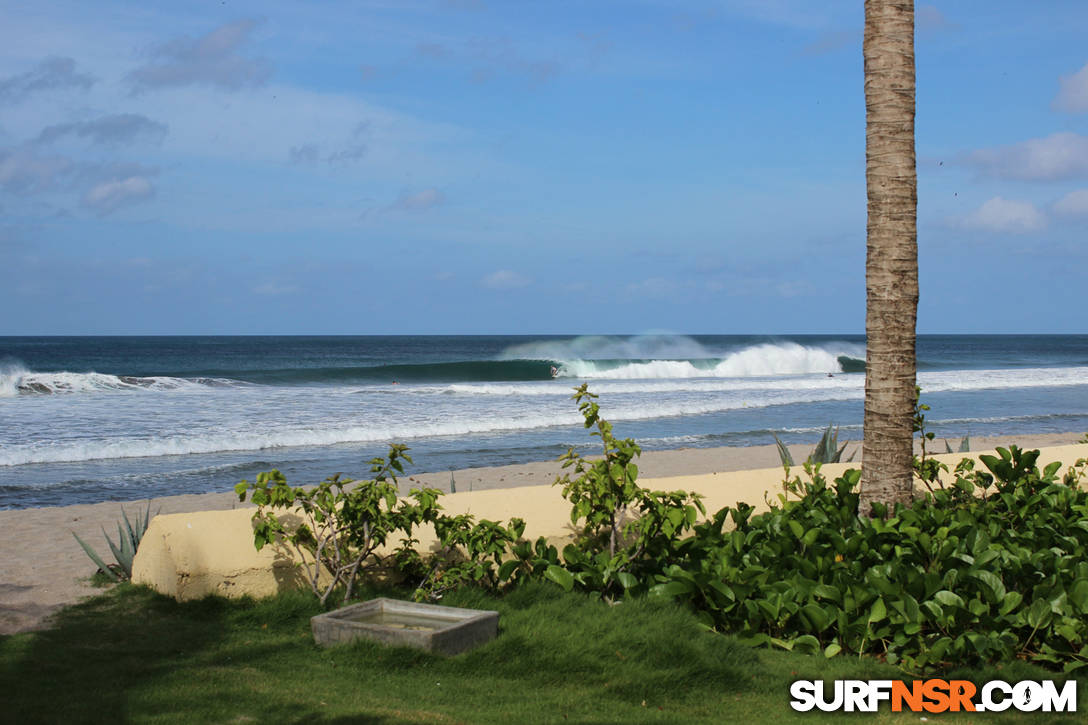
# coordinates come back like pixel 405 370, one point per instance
pixel 891 265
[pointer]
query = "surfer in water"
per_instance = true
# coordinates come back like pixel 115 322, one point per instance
pixel 555 371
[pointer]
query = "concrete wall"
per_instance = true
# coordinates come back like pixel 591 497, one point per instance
pixel 191 555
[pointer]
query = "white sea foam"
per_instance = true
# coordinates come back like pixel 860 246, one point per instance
pixel 204 420
pixel 757 360
pixel 182 444
pixel 1008 379
pixel 599 347
pixel 943 381
pixel 241 436
pixel 15 379
pixel 11 372
pixel 677 356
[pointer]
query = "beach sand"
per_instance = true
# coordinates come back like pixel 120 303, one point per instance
pixel 43 568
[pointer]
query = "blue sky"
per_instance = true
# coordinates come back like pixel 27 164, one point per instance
pixel 461 166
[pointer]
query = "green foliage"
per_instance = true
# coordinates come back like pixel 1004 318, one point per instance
pixel 124 551
pixel 629 532
pixel 342 522
pixel 928 470
pixel 783 453
pixel 826 451
pixel 470 553
pixel 992 567
pixel 964 447
pixel 952 578
pixel 339 527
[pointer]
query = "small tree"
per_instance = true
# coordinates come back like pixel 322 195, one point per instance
pixel 343 525
pixel 639 525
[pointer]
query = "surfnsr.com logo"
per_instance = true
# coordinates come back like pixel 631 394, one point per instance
pixel 934 696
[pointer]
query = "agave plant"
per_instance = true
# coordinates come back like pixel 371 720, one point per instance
pixel 826 451
pixel 128 541
pixel 965 445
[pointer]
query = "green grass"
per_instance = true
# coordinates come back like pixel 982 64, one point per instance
pixel 133 656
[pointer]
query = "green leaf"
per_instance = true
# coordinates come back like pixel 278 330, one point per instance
pixel 949 599
pixel 806 643
pixel 102 566
pixel 825 591
pixel 627 579
pixel 1039 614
pixel 507 569
pixel 879 612
pixel 816 616
pixel 671 589
pixel 832 649
pixel 783 452
pixel 560 576
pixel 1012 601
pixel 1078 594
pixel 994 589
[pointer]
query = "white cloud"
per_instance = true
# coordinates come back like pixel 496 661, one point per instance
pixel 1058 156
pixel 274 289
pixel 1005 216
pixel 488 57
pixel 833 40
pixel 505 279
pixel 24 172
pixel 116 128
pixel 927 18
pixel 108 196
pixel 653 287
pixel 49 74
pixel 788 13
pixel 211 59
pixel 1073 92
pixel 1075 203
pixel 419 201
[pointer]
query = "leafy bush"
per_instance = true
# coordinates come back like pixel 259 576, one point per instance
pixel 345 523
pixel 628 532
pixel 470 552
pixel 991 567
pixel 124 551
pixel 342 526
pixel 952 578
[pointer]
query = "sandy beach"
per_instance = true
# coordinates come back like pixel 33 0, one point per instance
pixel 43 568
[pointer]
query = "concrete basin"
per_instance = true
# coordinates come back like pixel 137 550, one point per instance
pixel 445 630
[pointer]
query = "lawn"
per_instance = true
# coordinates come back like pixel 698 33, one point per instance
pixel 131 655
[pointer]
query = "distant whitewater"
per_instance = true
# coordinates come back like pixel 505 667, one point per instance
pixel 591 358
pixel 91 419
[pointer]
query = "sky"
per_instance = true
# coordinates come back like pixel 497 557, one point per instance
pixel 477 166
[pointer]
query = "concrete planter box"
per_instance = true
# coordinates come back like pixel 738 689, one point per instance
pixel 445 630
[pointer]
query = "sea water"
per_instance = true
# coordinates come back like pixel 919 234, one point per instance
pixel 86 419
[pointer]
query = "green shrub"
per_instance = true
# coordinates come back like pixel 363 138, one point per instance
pixel 344 524
pixel 124 551
pixel 953 578
pixel 992 567
pixel 628 532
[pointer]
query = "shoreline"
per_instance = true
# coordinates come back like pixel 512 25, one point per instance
pixel 45 569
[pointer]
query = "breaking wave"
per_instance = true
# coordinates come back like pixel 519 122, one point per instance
pixel 15 380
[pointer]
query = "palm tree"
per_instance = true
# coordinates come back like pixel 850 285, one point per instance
pixel 891 264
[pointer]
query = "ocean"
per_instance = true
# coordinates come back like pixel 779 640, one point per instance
pixel 88 419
